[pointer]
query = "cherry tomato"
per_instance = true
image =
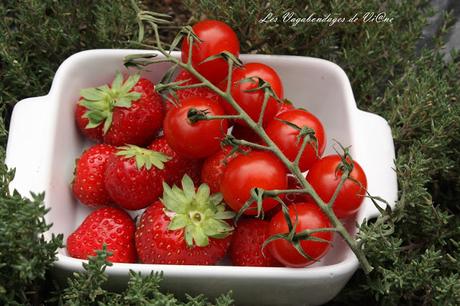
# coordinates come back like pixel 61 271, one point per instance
pixel 286 138
pixel 216 37
pixel 199 139
pixel 325 176
pixel 248 171
pixel 252 102
pixel 309 217
pixel 214 167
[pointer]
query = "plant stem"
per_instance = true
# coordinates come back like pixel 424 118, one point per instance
pixel 343 178
pixel 246 143
pixel 296 161
pixel 216 117
pixel 276 192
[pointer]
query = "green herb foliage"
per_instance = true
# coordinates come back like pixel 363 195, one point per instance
pixel 25 256
pixel 87 288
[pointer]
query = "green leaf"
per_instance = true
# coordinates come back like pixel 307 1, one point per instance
pixel 213 227
pixel 117 81
pixel 145 158
pixel 216 198
pixel 188 187
pixel 203 193
pixel 178 221
pixel 200 238
pixel 130 82
pixel 224 215
pixel 92 124
pixel 201 217
pixel 189 235
pixel 107 123
pixel 92 94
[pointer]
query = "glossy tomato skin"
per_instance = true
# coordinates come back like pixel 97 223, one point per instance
pixel 309 217
pixel 216 37
pixel 324 178
pixel 199 139
pixel 285 136
pixel 214 168
pixel 247 171
pixel 252 102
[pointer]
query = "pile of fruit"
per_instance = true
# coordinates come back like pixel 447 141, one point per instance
pixel 199 175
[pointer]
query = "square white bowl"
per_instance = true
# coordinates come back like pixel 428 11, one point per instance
pixel 45 126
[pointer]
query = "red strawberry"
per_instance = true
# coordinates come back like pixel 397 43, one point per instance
pixel 214 168
pixel 177 166
pixel 88 184
pixel 182 94
pixel 133 176
pixel 126 112
pixel 110 226
pixel 188 228
pixel 246 247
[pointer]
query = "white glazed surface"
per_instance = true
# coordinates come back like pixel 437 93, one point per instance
pixel 45 126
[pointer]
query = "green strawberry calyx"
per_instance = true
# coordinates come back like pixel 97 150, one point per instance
pixel 100 101
pixel 200 214
pixel 145 158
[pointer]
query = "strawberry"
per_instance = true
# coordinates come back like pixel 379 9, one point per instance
pixel 188 79
pixel 125 112
pixel 246 247
pixel 214 168
pixel 88 183
pixel 110 226
pixel 177 166
pixel 133 176
pixel 186 227
pixel 94 133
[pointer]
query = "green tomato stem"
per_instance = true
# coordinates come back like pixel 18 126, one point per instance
pixel 271 146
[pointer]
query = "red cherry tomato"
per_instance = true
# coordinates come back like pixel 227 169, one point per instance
pixel 214 167
pixel 325 176
pixel 309 217
pixel 286 138
pixel 252 102
pixel 199 139
pixel 215 37
pixel 248 171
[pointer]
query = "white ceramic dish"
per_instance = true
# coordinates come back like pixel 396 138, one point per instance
pixel 44 143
